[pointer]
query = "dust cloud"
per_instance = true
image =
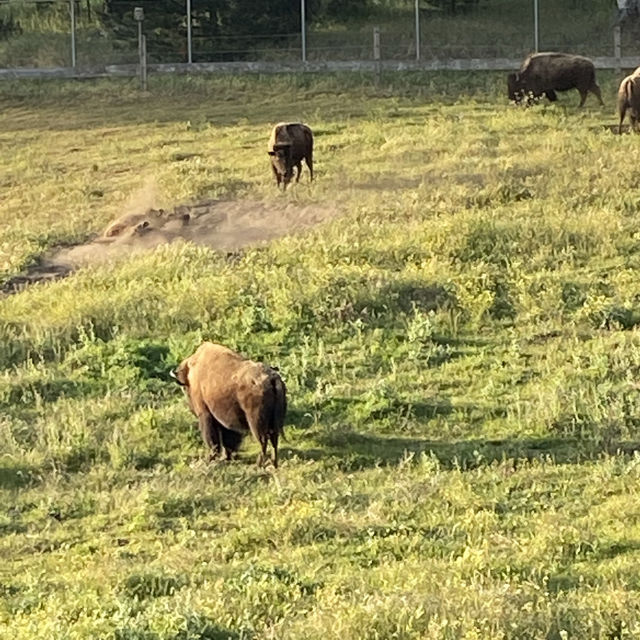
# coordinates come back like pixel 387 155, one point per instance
pixel 220 224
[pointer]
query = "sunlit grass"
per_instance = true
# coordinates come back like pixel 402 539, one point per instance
pixel 459 343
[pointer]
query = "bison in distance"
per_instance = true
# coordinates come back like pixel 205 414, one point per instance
pixel 289 144
pixel 231 396
pixel 545 73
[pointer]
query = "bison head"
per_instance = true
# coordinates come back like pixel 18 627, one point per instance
pixel 281 160
pixel 181 374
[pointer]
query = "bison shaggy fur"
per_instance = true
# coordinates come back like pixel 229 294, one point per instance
pixel 232 396
pixel 545 73
pixel 629 99
pixel 289 144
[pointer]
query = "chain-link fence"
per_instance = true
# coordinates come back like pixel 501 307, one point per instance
pixel 82 34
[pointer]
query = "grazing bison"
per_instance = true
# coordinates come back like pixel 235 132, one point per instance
pixel 289 144
pixel 231 396
pixel 545 73
pixel 629 98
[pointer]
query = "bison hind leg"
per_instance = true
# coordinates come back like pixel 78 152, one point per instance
pixel 595 89
pixel 551 95
pixel 309 160
pixel 273 436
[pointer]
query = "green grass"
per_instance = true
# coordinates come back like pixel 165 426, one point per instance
pixel 460 347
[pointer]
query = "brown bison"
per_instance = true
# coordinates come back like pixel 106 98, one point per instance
pixel 545 73
pixel 231 396
pixel 289 144
pixel 629 98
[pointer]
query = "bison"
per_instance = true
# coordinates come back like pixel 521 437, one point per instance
pixel 289 144
pixel 545 73
pixel 231 395
pixel 629 98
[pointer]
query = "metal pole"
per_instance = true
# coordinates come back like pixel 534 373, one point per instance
pixel 418 30
pixel 189 50
pixel 303 30
pixel 140 39
pixel 72 12
pixel 536 27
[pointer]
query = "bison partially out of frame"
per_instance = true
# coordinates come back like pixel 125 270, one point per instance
pixel 629 99
pixel 289 144
pixel 545 73
pixel 232 396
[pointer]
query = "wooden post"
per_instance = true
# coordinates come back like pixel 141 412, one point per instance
pixel 617 47
pixel 143 64
pixel 376 51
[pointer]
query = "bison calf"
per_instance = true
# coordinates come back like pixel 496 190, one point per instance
pixel 545 73
pixel 289 144
pixel 629 98
pixel 231 396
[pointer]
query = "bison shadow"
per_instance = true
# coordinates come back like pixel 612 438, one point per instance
pixel 357 451
pixel 17 477
pixel 612 128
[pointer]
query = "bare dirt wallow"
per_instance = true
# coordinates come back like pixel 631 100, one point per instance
pixel 219 224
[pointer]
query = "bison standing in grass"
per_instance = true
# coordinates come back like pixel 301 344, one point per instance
pixel 231 396
pixel 289 144
pixel 629 98
pixel 545 73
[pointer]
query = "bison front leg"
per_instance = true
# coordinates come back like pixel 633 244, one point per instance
pixel 277 176
pixel 210 430
pixel 262 456
pixel 583 98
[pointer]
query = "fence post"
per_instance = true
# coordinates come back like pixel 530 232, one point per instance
pixel 536 26
pixel 617 47
pixel 376 51
pixel 72 14
pixel 303 30
pixel 418 30
pixel 143 64
pixel 189 49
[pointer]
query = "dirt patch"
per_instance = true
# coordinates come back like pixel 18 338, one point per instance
pixel 219 224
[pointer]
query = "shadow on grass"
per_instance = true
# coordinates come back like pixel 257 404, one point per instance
pixel 361 450
pixel 16 477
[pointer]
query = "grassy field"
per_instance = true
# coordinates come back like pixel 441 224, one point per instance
pixel 459 345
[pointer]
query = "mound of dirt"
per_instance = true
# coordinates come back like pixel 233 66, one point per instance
pixel 219 224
